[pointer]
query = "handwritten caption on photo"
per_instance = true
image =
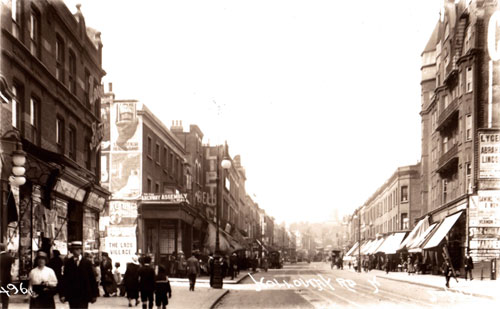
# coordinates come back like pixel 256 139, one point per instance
pixel 16 290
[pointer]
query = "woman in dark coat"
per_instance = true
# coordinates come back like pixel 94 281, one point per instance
pixel 131 281
pixel 107 279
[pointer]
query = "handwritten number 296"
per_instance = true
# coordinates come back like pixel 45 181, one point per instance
pixel 12 287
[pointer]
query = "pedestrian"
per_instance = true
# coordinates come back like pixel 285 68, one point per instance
pixel 56 264
pixel 387 265
pixel 210 263
pixel 410 266
pixel 349 263
pixel 118 279
pixel 147 283
pixel 181 265
pixel 97 272
pixel 265 263
pixel 172 264
pixel 79 286
pixel 469 266
pixel 163 291
pixel 193 270
pixel 43 283
pixel 6 261
pixel 233 264
pixel 107 280
pixel 131 281
pixel 447 272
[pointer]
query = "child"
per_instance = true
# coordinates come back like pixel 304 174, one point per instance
pixel 118 278
pixel 162 288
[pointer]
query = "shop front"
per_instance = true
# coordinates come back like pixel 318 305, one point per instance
pixel 168 226
pixel 55 206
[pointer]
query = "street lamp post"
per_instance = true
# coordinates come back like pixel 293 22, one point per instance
pixel 217 277
pixel 359 241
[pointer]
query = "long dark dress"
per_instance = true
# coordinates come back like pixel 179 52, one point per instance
pixel 131 281
pixel 107 279
pixel 45 298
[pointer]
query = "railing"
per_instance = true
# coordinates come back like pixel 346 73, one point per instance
pixel 447 112
pixel 447 156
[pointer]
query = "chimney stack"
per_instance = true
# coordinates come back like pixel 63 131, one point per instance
pixel 110 87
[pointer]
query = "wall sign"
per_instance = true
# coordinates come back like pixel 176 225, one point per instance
pixel 489 155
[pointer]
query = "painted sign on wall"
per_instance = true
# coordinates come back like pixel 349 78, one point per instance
pixel 489 155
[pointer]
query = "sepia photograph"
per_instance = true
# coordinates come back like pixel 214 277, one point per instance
pixel 249 154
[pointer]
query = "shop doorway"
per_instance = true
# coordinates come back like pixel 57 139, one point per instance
pixel 161 236
pixel 75 221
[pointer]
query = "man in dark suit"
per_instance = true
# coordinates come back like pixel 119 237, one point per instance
pixel 79 286
pixel 6 261
pixel 469 266
pixel 147 283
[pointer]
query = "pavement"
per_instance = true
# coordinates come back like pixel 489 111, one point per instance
pixel 479 288
pixel 202 297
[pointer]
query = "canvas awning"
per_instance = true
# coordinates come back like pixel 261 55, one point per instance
pixel 416 246
pixel 442 230
pixel 353 248
pixel 375 245
pixel 391 243
pixel 224 244
pixel 366 246
pixel 421 226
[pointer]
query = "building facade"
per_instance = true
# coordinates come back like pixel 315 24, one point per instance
pixel 460 128
pixel 51 70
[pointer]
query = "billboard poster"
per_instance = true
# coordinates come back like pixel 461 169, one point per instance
pixel 106 122
pixel 105 169
pixel 489 155
pixel 125 129
pixel 125 175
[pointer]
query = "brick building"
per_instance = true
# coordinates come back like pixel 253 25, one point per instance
pixel 51 75
pixel 461 132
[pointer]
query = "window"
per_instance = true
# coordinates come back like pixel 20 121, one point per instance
pixel 72 142
pixel 157 188
pixel 468 79
pixel 404 193
pixel 434 120
pixel 445 144
pixel 87 153
pixel 460 83
pixel 60 133
pixel 72 72
pixel 468 177
pixel 34 119
pixel 445 190
pixel 165 158
pixel 16 16
pixel 16 104
pixel 157 153
pixel 60 59
pixel 468 127
pixel 150 185
pixel 35 33
pixel 446 100
pixel 88 80
pixel 150 147
pixel 468 39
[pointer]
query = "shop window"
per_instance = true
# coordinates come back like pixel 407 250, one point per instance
pixel 404 194
pixel 75 221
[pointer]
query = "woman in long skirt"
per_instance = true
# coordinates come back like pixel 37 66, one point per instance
pixel 131 281
pixel 43 283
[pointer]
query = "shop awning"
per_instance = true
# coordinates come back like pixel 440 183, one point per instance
pixel 416 246
pixel 421 226
pixel 366 246
pixel 375 245
pixel 224 244
pixel 442 230
pixel 391 243
pixel 351 251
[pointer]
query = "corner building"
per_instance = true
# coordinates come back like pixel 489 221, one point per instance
pixel 460 114
pixel 50 75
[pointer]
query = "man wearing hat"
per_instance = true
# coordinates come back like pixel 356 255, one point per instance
pixel 79 286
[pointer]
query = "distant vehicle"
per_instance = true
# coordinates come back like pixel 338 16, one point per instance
pixel 275 260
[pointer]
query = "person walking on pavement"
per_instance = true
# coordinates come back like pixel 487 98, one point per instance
pixel 147 283
pixel 79 286
pixel 210 263
pixel 193 270
pixel 6 261
pixel 43 283
pixel 56 264
pixel 181 265
pixel 163 291
pixel 131 281
pixel 233 261
pixel 469 266
pixel 447 272
pixel 107 279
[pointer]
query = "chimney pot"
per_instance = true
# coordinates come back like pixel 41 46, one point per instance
pixel 110 86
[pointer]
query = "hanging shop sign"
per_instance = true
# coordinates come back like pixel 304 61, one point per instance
pixel 166 198
pixel 489 155
pixel 70 190
pixel 95 201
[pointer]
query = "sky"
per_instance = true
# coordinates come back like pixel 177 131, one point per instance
pixel 320 98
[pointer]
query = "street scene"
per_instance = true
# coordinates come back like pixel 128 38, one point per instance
pixel 264 154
